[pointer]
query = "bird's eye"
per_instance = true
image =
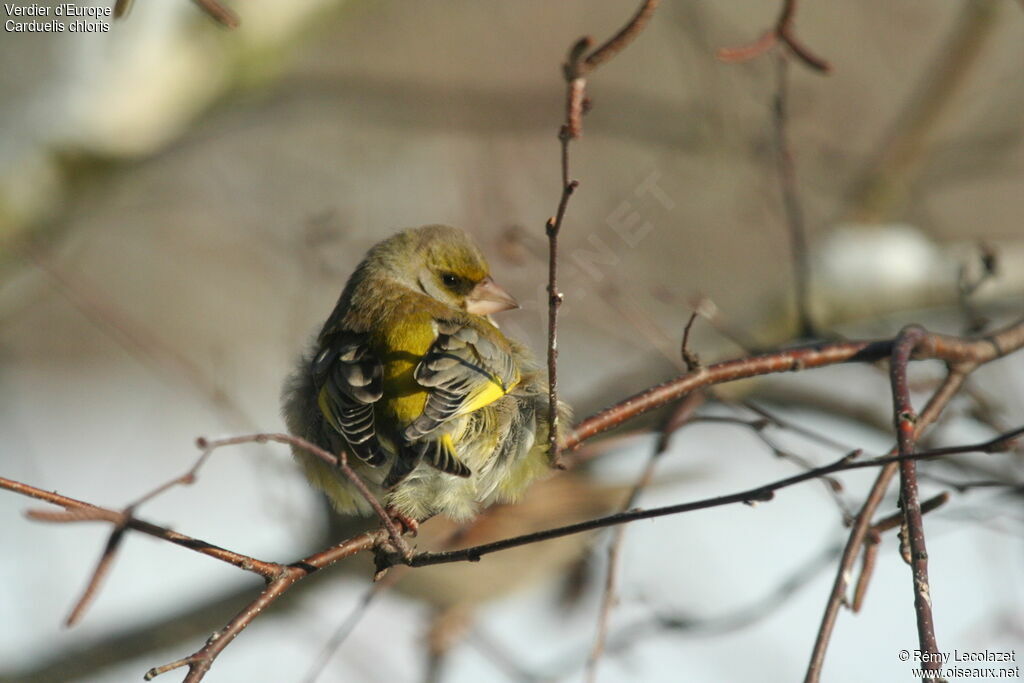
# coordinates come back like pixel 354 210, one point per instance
pixel 449 280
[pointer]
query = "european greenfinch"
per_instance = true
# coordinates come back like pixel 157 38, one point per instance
pixel 410 375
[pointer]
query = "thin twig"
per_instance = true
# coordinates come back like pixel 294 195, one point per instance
pixel 800 254
pixel 759 494
pixel 904 420
pixel 199 662
pixel 122 520
pixel 951 349
pixel 340 461
pixel 92 512
pixel 730 621
pixel 874 537
pixel 896 518
pixel 860 528
pixel 832 485
pixel 98 575
pixel 624 37
pixel 709 310
pixel 678 418
pixel 690 358
pixel 967 286
pixel 964 354
pixel 214 9
pixel 346 627
pixel 577 65
pixel 555 298
pixel 782 32
pixel 219 13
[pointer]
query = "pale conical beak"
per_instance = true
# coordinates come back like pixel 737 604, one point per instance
pixel 489 297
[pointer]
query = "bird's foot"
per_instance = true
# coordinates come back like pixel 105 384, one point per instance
pixel 405 523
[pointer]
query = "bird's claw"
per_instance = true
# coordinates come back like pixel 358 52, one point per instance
pixel 405 523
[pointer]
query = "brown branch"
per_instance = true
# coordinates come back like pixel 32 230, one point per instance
pixel 895 519
pixel 867 568
pixel 340 461
pixel 200 661
pixel 624 37
pixel 555 298
pixel 782 32
pixel 98 575
pixel 124 519
pixel 860 529
pixel 88 512
pixel 577 65
pixel 690 359
pixel 805 432
pixel 904 419
pixel 212 8
pixel 832 485
pixel 759 494
pixel 965 354
pixel 219 13
pixel 786 168
pixel 951 349
pixel 874 537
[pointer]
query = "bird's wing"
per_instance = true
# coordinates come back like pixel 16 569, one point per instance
pixel 463 371
pixel 349 378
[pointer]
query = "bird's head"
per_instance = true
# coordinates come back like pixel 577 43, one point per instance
pixel 444 263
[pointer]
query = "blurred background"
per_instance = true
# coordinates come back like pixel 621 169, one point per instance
pixel 180 205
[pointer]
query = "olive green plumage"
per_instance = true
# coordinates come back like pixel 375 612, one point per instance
pixel 439 412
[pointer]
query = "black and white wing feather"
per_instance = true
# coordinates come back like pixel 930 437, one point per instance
pixel 349 378
pixel 464 371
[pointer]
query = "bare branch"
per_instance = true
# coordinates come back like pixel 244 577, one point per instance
pixel 860 528
pixel 94 513
pixel 574 70
pixel 199 662
pixel 783 32
pixel 212 8
pixel 951 349
pixel 800 255
pixel 759 494
pixel 905 419
pixel 624 37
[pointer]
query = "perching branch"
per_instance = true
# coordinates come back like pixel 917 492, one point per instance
pixel 964 354
pixel 753 496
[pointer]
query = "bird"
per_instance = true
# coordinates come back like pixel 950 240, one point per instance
pixel 441 413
